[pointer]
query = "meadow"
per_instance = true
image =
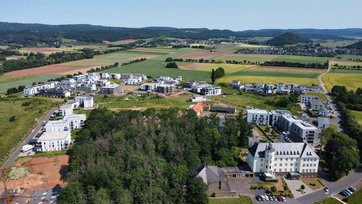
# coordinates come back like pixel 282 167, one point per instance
pixel 10 82
pixel 239 200
pixel 142 102
pixel 26 111
pixel 349 78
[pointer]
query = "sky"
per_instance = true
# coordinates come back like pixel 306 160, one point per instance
pixel 235 15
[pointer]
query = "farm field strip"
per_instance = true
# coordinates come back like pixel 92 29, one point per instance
pixel 207 67
pixel 349 78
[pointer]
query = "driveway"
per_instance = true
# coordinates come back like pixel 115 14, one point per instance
pixel 294 186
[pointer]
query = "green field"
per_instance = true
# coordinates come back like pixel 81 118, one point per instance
pixel 358 116
pixel 240 200
pixel 247 57
pixel 329 201
pixel 25 115
pixel 10 82
pixel 229 68
pixel 302 59
pixel 348 78
pixel 247 99
pixel 142 102
pixel 155 68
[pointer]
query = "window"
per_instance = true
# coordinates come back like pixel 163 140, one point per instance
pixel 303 165
pixel 280 164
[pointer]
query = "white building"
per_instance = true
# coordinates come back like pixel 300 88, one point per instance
pixel 283 158
pixel 148 86
pixel 85 101
pixel 54 141
pixel 210 91
pixel 257 116
pixel 197 98
pixel 305 131
pixel 66 109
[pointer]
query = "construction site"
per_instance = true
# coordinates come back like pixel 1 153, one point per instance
pixel 33 179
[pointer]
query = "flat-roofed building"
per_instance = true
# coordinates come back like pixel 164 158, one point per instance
pixel 53 141
pixel 257 116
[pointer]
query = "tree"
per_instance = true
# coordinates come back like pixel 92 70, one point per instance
pixel 219 72
pixel 171 65
pixel 342 155
pixel 273 189
pixel 213 76
pixel 302 187
pixel 196 191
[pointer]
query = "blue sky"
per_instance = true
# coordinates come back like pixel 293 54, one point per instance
pixel 220 14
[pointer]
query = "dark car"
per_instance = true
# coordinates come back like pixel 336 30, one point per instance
pixel 352 189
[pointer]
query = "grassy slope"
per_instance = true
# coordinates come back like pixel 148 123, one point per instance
pixel 358 116
pixel 350 79
pixel 328 201
pixel 356 198
pixel 12 132
pixel 240 200
pixel 229 68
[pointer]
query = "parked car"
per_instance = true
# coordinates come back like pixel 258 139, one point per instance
pixel 326 189
pixel 343 193
pixel 352 189
pixel 259 198
pixel 348 193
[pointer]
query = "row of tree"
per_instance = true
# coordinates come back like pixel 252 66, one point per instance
pixel 352 67
pixel 295 64
pixel 212 61
pixel 149 156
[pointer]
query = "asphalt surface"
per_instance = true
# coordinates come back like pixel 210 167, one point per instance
pixel 353 179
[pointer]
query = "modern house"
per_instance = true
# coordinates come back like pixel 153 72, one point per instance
pixel 323 123
pixel 257 116
pixel 53 141
pixel 112 89
pixel 166 88
pixel 85 101
pixel 283 159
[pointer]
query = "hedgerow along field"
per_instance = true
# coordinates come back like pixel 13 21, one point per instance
pixel 26 112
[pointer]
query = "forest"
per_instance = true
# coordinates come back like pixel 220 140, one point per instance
pixel 150 156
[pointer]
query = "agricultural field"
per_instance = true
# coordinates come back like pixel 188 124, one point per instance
pixel 358 116
pixel 25 111
pixel 247 57
pixel 7 82
pixel 302 59
pixel 73 48
pixel 142 102
pixel 206 67
pixel 349 78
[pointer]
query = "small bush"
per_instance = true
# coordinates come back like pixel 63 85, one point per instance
pixel 12 118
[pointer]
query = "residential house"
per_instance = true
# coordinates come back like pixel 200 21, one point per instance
pixel 112 89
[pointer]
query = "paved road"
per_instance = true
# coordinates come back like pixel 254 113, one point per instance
pixel 39 125
pixel 336 120
pixel 353 179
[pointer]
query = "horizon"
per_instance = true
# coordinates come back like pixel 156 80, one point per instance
pixel 72 24
pixel 230 15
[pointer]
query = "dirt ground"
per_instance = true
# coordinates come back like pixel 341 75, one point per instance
pixel 50 69
pixel 204 54
pixel 45 173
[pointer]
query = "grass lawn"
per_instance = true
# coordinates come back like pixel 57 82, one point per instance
pixel 358 116
pixel 240 200
pixel 329 201
pixel 247 99
pixel 142 102
pixel 316 181
pixel 348 78
pixel 25 115
pixel 356 198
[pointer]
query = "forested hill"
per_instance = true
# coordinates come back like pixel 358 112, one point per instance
pixel 150 156
pixel 30 34
pixel 357 45
pixel 287 39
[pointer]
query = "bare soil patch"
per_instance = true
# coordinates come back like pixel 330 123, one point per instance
pixel 50 69
pixel 45 173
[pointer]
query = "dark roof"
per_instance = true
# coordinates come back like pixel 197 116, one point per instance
pixel 222 109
